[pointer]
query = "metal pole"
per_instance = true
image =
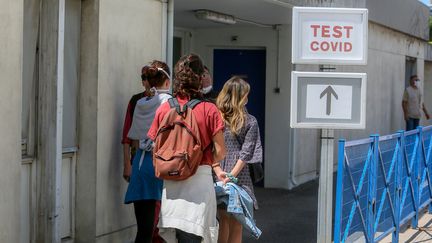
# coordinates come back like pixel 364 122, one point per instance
pixel 398 185
pixel 372 190
pixel 339 191
pixel 325 190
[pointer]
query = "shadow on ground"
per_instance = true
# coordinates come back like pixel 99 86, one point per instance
pixel 286 216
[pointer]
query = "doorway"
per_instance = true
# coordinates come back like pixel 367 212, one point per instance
pixel 410 69
pixel 249 64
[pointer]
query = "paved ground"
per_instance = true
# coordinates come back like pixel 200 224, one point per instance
pixel 286 216
pixel 422 234
pixel 290 216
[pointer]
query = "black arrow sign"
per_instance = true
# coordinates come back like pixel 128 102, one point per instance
pixel 329 91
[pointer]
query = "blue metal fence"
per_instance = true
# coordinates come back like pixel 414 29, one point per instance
pixel 382 183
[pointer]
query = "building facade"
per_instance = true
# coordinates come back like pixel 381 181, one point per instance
pixel 69 67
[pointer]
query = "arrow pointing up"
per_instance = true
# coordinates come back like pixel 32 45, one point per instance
pixel 329 91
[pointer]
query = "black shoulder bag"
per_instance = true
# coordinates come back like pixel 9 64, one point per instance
pixel 256 170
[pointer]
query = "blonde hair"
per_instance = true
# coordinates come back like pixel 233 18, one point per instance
pixel 231 102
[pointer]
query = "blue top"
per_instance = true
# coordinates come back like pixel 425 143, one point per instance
pixel 143 185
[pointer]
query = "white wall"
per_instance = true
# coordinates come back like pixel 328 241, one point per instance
pixel 117 39
pixel 130 35
pixel 428 85
pixel 85 216
pixel 11 41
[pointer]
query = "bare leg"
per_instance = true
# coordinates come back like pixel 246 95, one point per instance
pixel 235 231
pixel 223 226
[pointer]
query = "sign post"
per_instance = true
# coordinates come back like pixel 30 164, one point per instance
pixel 325 204
pixel 325 190
pixel 328 100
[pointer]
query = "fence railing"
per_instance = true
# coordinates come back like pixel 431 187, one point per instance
pixel 383 182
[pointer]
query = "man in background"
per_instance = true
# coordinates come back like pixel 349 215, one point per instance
pixel 412 104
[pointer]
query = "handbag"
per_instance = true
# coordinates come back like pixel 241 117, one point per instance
pixel 256 170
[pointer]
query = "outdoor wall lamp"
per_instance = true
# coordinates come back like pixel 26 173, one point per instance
pixel 215 16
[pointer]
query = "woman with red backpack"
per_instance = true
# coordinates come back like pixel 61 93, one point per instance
pixel 188 211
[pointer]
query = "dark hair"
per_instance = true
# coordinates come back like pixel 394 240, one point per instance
pixel 188 73
pixel 413 77
pixel 153 75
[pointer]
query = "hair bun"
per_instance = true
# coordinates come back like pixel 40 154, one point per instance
pixel 150 71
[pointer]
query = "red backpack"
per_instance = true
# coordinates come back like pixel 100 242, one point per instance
pixel 178 151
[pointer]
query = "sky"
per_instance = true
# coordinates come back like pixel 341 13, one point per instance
pixel 425 1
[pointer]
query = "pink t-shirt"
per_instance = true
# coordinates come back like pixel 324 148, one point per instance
pixel 209 123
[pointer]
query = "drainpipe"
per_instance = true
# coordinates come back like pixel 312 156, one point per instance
pixel 167 31
pixel 292 151
pixel 170 34
pixel 293 155
pixel 164 28
pixel 59 126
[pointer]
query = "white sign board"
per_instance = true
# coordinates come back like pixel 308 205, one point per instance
pixel 328 100
pixel 329 36
pixel 339 102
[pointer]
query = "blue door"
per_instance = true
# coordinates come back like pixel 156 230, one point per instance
pixel 251 66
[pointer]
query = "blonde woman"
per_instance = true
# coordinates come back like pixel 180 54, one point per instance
pixel 243 146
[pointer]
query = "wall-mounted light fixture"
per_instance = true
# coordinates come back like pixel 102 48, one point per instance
pixel 281 3
pixel 215 16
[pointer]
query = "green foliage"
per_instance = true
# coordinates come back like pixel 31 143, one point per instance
pixel 430 28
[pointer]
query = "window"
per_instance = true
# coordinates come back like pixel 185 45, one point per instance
pixel 410 68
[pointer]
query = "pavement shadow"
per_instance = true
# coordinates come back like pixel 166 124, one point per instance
pixel 286 216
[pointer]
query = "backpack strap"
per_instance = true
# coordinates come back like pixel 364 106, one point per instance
pixel 173 102
pixel 192 103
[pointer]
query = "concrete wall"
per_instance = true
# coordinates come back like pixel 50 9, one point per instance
pixel 118 38
pixel 126 43
pixel 408 16
pixel 11 41
pixel 85 218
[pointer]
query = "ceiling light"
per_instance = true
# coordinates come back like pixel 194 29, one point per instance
pixel 215 16
pixel 280 3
